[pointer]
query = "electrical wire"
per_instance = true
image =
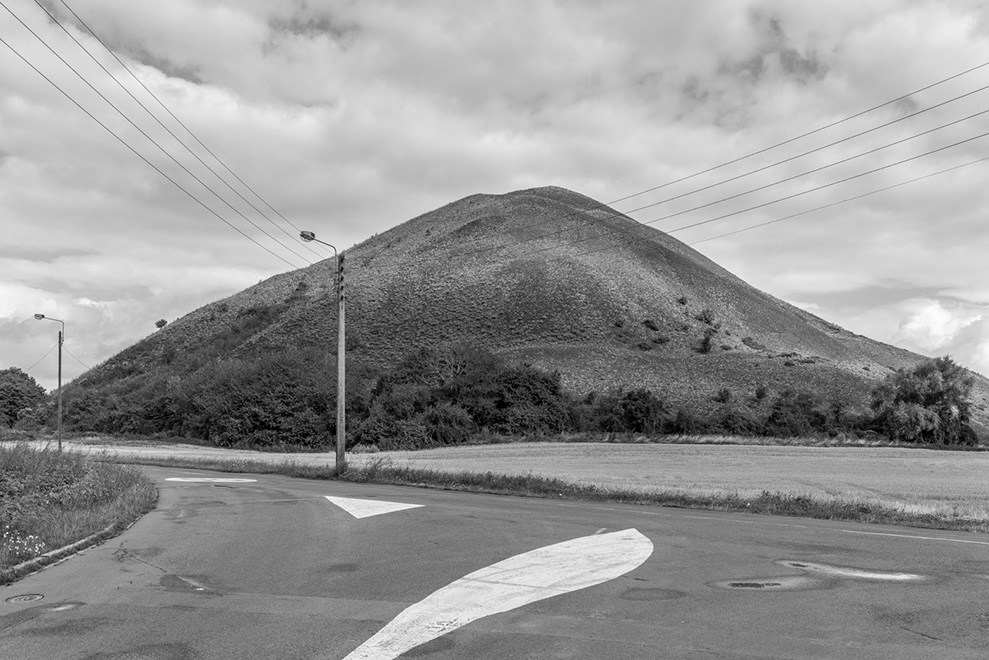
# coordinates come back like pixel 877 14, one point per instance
pixel 139 129
pixel 608 205
pixel 620 230
pixel 42 357
pixel 139 155
pixel 74 357
pixel 839 202
pixel 799 194
pixel 170 132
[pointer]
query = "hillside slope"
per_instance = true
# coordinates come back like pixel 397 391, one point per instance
pixel 550 277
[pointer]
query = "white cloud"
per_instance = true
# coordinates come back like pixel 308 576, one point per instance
pixel 353 117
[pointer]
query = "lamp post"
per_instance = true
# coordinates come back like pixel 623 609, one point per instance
pixel 341 353
pixel 61 338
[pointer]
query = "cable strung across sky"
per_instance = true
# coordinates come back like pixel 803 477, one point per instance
pixel 627 197
pixel 152 140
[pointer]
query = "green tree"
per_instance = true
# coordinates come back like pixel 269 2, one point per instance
pixel 927 403
pixel 18 392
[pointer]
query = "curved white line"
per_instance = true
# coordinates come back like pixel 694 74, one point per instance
pixel 509 584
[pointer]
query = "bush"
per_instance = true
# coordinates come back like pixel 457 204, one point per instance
pixel 795 413
pixel 928 403
pixel 19 393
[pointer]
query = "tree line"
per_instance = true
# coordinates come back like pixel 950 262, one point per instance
pixel 448 395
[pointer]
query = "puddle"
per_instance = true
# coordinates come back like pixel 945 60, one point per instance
pixel 851 573
pixel 786 583
pixel 814 576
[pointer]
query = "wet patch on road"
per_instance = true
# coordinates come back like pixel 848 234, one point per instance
pixel 785 583
pixel 847 572
pixel 815 576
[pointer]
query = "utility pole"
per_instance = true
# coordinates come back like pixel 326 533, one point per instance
pixel 61 338
pixel 341 368
pixel 341 354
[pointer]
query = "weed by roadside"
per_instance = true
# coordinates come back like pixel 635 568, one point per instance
pixel 49 500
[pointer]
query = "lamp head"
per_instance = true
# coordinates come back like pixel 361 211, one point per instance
pixel 40 317
pixel 307 236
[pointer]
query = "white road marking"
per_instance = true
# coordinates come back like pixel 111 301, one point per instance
pixel 509 584
pixel 212 480
pixel 368 508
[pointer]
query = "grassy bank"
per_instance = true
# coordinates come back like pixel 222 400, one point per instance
pixel 49 500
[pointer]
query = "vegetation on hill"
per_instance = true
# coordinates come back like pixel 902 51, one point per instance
pixel 581 327
pixel 453 394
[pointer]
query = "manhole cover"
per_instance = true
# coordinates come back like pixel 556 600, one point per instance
pixel 24 598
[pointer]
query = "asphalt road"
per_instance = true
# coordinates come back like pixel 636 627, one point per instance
pixel 273 569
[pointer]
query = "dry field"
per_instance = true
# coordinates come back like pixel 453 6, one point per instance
pixel 948 485
pixel 915 480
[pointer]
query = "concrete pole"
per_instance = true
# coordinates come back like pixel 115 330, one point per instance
pixel 61 336
pixel 341 369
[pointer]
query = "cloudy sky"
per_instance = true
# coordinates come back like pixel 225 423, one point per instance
pixel 348 118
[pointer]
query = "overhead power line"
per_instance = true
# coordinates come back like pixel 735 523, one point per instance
pixel 608 205
pixel 795 195
pixel 841 201
pixel 139 155
pixel 74 357
pixel 179 121
pixel 613 230
pixel 42 357
pixel 152 140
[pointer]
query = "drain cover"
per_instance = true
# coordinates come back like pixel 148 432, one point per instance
pixel 24 598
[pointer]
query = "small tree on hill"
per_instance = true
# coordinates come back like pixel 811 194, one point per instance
pixel 18 392
pixel 928 403
pixel 161 323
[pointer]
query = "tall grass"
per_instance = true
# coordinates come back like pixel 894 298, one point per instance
pixel 49 500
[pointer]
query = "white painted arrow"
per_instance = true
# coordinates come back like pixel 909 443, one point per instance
pixel 368 508
pixel 507 585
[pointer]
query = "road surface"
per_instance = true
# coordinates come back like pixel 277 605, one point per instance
pixel 271 567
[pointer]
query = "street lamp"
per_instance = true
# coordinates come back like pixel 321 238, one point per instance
pixel 61 338
pixel 341 353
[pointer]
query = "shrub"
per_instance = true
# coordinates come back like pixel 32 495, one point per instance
pixel 706 316
pixel 19 393
pixel 928 403
pixel 707 341
pixel 447 424
pixel 795 413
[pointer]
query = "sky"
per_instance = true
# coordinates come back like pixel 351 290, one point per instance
pixel 840 140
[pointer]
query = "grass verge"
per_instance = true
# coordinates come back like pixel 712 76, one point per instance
pixel 50 500
pixel 383 471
